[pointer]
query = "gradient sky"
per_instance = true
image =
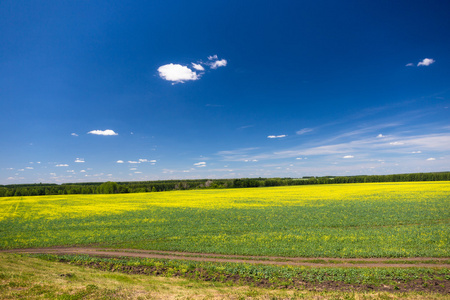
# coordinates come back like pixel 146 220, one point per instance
pixel 146 90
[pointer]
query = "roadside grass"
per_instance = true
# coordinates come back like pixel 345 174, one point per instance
pixel 25 277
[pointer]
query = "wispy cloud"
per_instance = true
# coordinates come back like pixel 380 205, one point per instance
pixel 74 134
pixel 119 161
pixel 79 160
pixel 304 130
pixel 215 63
pixel 103 132
pixel 198 67
pixel 391 145
pixel 200 164
pixel 276 136
pixel 62 165
pixel 348 156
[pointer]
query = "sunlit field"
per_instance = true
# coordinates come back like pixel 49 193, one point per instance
pixel 342 220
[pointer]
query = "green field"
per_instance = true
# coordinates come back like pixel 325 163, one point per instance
pixel 347 220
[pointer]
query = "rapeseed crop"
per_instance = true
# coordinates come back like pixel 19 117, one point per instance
pixel 345 220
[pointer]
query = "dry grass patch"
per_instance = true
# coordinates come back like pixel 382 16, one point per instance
pixel 23 277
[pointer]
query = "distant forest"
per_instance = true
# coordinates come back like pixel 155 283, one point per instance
pixel 171 185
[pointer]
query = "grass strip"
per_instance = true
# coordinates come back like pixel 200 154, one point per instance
pixel 270 276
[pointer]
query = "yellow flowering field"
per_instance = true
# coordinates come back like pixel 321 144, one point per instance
pixel 340 220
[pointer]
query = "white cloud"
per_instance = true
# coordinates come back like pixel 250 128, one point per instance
pixel 74 134
pixel 304 130
pixel 431 158
pixel 119 161
pixel 83 171
pixel 137 172
pixel 79 160
pixel 396 143
pixel 218 63
pixel 380 136
pixel 416 152
pixel 133 162
pixel 409 65
pixel 62 165
pixel 29 168
pixel 177 73
pixel 200 164
pixel 215 62
pixel 153 161
pixel 103 132
pixel 426 62
pixel 198 67
pixel 133 169
pixel 276 136
pixel 348 156
pixel 143 160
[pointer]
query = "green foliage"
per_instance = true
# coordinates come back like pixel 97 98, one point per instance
pixel 276 275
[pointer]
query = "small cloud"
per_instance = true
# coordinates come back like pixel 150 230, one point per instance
pixel 218 63
pixel 133 169
pixel 62 165
pixel 177 73
pixel 119 161
pixel 431 158
pixel 409 65
pixel 198 67
pixel 396 143
pixel 103 132
pixel 79 160
pixel 304 130
pixel 299 158
pixel 143 160
pixel 83 171
pixel 348 156
pixel 137 172
pixel 215 62
pixel 416 152
pixel 380 136
pixel 200 164
pixel 29 168
pixel 426 62
pixel 74 134
pixel 276 136
pixel 153 161
pixel 133 162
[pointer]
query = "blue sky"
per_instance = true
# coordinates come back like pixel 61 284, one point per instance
pixel 146 90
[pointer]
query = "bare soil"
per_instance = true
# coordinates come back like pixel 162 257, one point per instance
pixel 406 262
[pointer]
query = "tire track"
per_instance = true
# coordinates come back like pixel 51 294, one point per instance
pixel 267 260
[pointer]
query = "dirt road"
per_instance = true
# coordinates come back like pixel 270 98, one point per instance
pixel 268 260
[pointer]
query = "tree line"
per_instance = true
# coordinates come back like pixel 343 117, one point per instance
pixel 171 185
